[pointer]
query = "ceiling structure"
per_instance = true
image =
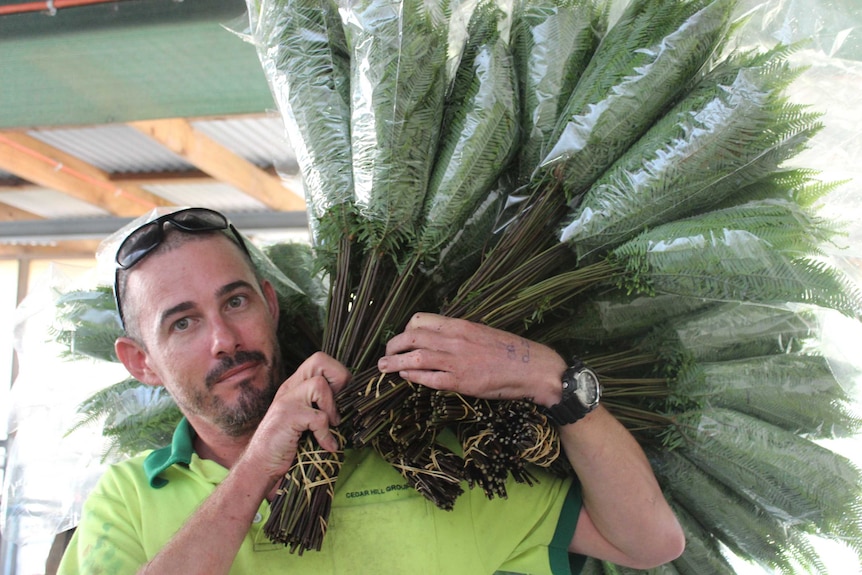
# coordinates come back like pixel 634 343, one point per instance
pixel 111 109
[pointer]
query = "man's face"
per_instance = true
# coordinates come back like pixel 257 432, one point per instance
pixel 208 330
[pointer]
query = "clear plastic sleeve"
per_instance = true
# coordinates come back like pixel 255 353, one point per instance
pixel 49 472
pixel 399 55
pixel 304 55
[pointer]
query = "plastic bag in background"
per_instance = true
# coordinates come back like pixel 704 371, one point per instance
pixel 831 49
pixel 830 33
pixel 48 474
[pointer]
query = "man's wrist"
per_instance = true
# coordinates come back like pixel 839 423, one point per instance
pixel 550 382
pixel 580 394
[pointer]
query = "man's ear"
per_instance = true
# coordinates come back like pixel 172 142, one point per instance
pixel 271 299
pixel 134 357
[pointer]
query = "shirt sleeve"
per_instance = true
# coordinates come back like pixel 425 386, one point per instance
pixel 530 530
pixel 107 540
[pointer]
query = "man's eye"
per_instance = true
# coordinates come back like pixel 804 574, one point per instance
pixel 181 324
pixel 236 301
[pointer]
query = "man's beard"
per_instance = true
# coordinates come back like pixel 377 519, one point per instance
pixel 252 404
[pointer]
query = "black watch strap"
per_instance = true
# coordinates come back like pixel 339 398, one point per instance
pixel 566 412
pixel 570 408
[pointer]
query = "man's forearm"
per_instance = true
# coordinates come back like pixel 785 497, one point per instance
pixel 208 542
pixel 620 492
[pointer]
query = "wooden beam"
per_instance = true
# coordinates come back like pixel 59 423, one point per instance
pixel 45 165
pixel 126 181
pixel 194 177
pixel 191 177
pixel 11 214
pixel 136 180
pixel 180 137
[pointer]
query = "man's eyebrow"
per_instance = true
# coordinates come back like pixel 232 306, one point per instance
pixel 232 287
pixel 180 307
pixel 187 305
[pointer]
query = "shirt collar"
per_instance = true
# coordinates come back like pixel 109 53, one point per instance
pixel 179 451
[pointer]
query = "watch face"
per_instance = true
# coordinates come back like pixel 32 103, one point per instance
pixel 587 388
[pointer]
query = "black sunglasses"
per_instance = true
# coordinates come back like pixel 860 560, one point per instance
pixel 143 240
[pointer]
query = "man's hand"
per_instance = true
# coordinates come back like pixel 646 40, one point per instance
pixel 625 518
pixel 473 359
pixel 304 402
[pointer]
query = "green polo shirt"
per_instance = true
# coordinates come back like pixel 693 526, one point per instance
pixel 377 523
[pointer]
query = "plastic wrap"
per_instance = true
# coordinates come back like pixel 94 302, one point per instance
pixel 481 131
pixel 830 34
pixel 738 330
pixel 774 469
pixel 796 392
pixel 49 472
pixel 87 323
pixel 398 83
pixel 553 41
pixel 133 417
pixel 725 514
pixel 646 59
pixel 619 315
pixel 303 51
pixel 726 134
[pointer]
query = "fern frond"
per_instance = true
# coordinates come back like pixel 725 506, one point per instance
pixel 734 521
pixel 735 331
pixel 793 391
pixel 553 41
pixel 479 135
pixel 303 50
pixel 137 417
pixel 641 66
pixel 398 51
pixel 796 185
pixel 702 555
pixel 86 323
pixel 721 255
pixel 792 479
pixel 730 131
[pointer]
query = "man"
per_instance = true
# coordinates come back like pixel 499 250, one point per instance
pixel 201 323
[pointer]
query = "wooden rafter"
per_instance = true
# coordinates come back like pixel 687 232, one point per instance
pixel 37 162
pixel 179 136
pixel 10 213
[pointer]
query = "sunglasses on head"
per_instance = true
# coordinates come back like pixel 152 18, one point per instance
pixel 143 240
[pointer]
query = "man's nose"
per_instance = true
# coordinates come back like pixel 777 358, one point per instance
pixel 225 337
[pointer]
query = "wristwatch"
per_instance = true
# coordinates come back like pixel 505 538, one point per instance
pixel 581 393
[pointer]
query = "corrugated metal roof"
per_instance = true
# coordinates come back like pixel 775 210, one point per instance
pixel 120 149
pixel 114 148
pixel 216 196
pixel 51 204
pixel 260 140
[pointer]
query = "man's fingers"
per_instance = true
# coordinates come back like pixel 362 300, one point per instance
pixel 322 398
pixel 320 364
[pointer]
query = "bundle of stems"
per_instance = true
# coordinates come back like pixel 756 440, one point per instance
pixel 647 167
